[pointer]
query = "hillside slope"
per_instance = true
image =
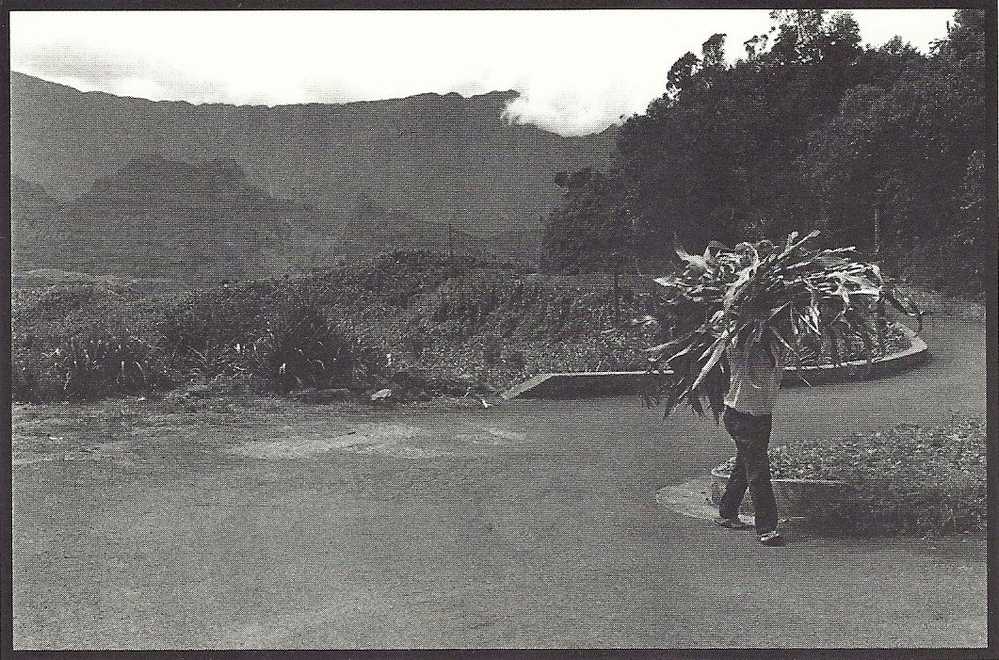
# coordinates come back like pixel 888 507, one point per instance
pixel 199 223
pixel 156 218
pixel 435 156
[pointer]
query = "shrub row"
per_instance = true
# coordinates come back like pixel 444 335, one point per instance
pixel 293 345
pixel 449 322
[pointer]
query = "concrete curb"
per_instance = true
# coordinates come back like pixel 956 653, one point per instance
pixel 795 497
pixel 691 499
pixel 889 365
pixel 604 383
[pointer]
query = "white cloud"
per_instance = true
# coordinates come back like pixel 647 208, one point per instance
pixel 577 71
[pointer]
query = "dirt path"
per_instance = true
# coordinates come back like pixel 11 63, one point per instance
pixel 532 524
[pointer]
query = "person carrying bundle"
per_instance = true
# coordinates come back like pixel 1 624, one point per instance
pixel 754 384
pixel 732 317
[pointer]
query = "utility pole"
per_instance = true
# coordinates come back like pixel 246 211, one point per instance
pixel 450 238
pixel 877 223
pixel 617 291
pixel 877 233
pixel 633 224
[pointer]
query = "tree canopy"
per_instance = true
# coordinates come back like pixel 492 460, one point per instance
pixel 807 130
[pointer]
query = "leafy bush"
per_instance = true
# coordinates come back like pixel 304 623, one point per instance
pixel 87 368
pixel 25 382
pixel 212 363
pixel 492 351
pixel 300 348
pixel 44 317
pixel 517 359
pixel 947 505
pixel 219 316
pixel 59 301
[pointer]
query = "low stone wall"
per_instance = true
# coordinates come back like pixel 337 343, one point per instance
pixel 579 385
pixel 607 383
pixel 889 365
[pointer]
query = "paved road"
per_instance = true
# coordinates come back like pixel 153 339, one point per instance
pixel 528 525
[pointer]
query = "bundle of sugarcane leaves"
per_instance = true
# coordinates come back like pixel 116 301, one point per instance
pixel 784 297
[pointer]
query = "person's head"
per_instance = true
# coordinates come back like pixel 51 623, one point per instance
pixel 765 247
pixel 745 253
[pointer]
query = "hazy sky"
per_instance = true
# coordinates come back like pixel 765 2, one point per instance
pixel 577 71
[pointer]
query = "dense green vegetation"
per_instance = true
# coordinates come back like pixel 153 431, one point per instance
pixel 420 323
pixel 909 479
pixel 808 131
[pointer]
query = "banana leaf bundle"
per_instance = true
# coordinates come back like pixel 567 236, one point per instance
pixel 783 297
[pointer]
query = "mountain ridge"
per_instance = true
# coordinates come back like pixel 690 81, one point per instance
pixel 441 159
pixel 426 152
pixel 511 93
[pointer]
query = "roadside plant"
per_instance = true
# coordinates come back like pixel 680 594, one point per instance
pixel 214 361
pixel 517 359
pixel 788 296
pixel 492 350
pixel 300 348
pixel 91 368
pixel 25 380
pixel 219 316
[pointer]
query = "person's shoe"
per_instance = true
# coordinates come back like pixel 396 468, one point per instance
pixel 731 523
pixel 771 538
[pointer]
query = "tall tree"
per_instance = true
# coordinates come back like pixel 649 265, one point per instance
pixel 589 229
pixel 808 130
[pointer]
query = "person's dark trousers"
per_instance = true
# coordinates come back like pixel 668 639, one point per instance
pixel 752 468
